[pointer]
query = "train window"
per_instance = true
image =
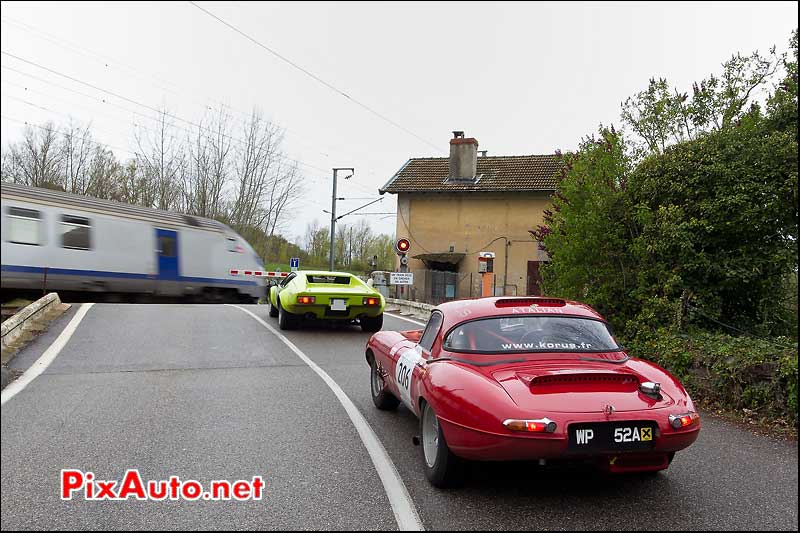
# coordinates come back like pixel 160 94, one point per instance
pixel 233 245
pixel 166 246
pixel 23 226
pixel 76 232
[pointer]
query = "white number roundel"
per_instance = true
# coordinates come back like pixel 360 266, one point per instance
pixel 403 373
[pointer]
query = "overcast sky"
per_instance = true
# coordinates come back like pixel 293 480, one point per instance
pixel 522 78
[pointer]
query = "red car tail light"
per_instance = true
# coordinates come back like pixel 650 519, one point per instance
pixel 684 420
pixel 305 299
pixel 541 425
pixel 372 301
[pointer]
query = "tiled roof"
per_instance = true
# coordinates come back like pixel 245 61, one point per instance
pixel 495 173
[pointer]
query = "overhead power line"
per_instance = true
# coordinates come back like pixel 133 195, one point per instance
pixel 110 62
pixel 73 104
pixel 57 132
pixel 130 100
pixel 103 101
pixel 317 78
pixel 309 179
pixel 157 80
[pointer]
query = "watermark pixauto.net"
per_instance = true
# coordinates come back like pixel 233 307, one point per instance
pixel 76 484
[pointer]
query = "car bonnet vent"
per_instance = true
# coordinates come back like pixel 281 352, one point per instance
pixel 582 381
pixel 584 378
pixel 527 302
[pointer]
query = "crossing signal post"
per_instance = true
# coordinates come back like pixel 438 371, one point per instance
pixel 402 246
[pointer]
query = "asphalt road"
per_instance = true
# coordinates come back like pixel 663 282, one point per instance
pixel 206 392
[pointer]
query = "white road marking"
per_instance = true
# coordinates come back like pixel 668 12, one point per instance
pixel 403 507
pixel 49 355
pixel 406 319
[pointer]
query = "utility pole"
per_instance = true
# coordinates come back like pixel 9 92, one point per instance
pixel 333 211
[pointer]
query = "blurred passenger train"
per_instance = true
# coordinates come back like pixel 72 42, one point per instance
pixel 57 241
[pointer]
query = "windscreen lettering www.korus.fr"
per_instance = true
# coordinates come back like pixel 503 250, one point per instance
pixel 531 334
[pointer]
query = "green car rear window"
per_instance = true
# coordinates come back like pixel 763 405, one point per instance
pixel 336 280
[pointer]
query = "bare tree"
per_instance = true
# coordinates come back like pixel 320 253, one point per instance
pixel 195 183
pixel 219 168
pixel 256 159
pixel 76 153
pixel 250 183
pixel 160 162
pixel 133 185
pixel 362 239
pixel 106 175
pixel 36 159
pixel 340 245
pixel 317 242
pixel 208 167
pixel 284 190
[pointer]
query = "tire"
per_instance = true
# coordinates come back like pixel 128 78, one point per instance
pixel 382 398
pixel 286 320
pixel 273 311
pixel 372 324
pixel 442 468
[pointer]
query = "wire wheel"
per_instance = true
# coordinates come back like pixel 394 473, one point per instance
pixel 430 436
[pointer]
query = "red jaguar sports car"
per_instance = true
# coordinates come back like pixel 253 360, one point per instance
pixel 513 378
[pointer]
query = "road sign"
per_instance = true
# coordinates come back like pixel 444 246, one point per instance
pixel 401 278
pixel 294 263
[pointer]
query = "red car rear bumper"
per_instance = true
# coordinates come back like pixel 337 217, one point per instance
pixel 475 444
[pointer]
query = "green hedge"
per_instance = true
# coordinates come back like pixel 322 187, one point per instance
pixel 728 372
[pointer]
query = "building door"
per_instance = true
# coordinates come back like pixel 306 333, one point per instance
pixel 440 286
pixel 534 279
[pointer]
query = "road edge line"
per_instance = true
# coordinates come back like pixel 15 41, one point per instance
pixel 406 319
pixel 405 513
pixel 49 355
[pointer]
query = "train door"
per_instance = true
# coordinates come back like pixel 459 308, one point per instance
pixel 168 261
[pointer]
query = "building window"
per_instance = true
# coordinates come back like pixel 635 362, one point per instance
pixel 23 226
pixel 76 232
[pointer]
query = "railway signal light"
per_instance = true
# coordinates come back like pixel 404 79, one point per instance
pixel 402 246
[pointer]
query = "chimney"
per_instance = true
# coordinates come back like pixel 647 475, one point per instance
pixel 463 158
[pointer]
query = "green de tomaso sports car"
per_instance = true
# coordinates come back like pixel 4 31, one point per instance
pixel 326 296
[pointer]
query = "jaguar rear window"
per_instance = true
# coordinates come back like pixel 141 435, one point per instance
pixel 531 334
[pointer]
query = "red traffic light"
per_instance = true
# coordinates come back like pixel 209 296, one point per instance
pixel 402 246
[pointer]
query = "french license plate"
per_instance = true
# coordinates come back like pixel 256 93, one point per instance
pixel 612 436
pixel 338 305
